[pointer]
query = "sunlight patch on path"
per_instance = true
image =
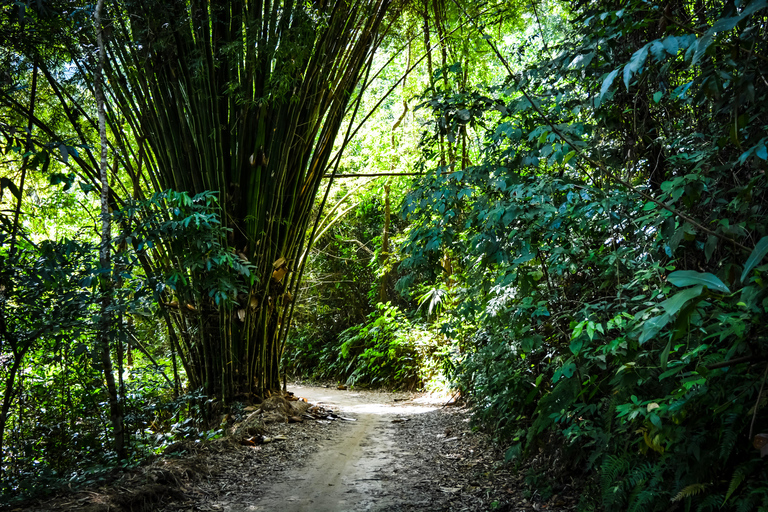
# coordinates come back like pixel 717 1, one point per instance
pixel 348 471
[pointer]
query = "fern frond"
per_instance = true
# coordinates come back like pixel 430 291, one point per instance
pixel 640 474
pixel 746 505
pixel 613 466
pixel 730 434
pixel 641 502
pixel 610 412
pixel 689 490
pixel 711 502
pixel 738 476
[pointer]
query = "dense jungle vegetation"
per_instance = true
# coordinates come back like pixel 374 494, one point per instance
pixel 556 209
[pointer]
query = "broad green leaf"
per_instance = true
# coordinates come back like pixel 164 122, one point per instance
pixel 657 96
pixel 86 187
pixel 759 252
pixel 7 183
pixel 671 372
pixel 652 326
pixel 581 61
pixel 673 304
pixel 524 258
pixel 606 85
pixel 701 46
pixel 670 44
pixel 576 345
pixel 513 452
pixel 724 24
pixel 710 246
pixel 577 330
pixel 658 50
pixel 566 371
pixel 57 178
pixel 509 216
pixel 530 342
pixel 635 64
pixel 683 278
pixel 665 355
pixel 64 153
pixel 627 75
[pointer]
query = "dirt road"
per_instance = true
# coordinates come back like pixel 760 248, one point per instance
pixel 402 453
pixel 351 472
pixel 394 452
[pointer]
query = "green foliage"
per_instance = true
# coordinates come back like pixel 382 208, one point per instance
pixel 191 226
pixel 51 389
pixel 347 271
pixel 606 320
pixel 53 393
pixel 613 306
pixel 388 350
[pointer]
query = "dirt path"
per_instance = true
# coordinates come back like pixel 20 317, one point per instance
pixel 396 452
pixel 402 453
pixel 348 473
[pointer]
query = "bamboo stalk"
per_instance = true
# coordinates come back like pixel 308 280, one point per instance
pixel 192 135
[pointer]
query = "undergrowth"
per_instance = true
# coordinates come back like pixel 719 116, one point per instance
pixel 611 254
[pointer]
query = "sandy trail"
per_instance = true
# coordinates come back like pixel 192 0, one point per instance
pixel 347 473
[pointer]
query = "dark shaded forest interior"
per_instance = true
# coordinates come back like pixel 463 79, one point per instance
pixel 551 213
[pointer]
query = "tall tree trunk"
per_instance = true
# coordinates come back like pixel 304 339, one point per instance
pixel 7 279
pixel 107 327
pixel 25 160
pixel 8 393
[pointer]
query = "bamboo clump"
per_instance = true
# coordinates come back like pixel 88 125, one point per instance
pixel 245 99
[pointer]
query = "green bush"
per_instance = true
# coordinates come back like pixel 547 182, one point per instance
pixel 389 350
pixel 611 254
pixel 386 351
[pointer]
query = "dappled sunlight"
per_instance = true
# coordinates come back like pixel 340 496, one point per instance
pixel 370 403
pixel 383 409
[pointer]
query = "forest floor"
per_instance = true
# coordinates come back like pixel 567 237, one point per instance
pixel 392 452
